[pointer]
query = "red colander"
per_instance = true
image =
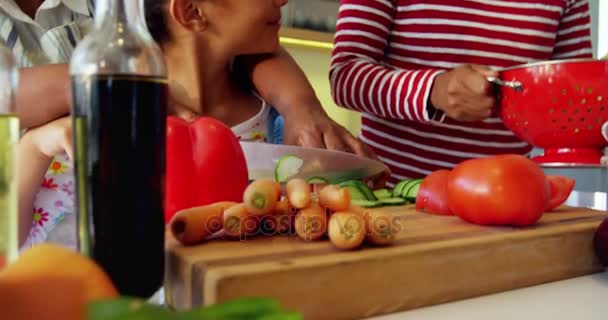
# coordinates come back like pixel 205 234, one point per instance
pixel 559 106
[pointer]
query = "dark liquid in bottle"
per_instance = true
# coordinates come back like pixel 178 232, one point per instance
pixel 119 140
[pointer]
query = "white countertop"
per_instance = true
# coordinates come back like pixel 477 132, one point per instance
pixel 584 298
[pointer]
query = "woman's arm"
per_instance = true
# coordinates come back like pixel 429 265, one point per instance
pixel 43 95
pixel 362 81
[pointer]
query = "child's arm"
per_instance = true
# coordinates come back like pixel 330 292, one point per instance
pixel 43 95
pixel 35 152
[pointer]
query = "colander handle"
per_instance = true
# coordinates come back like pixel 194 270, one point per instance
pixel 515 85
pixel 605 130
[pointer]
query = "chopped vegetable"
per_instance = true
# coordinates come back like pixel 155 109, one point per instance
pixel 410 189
pixel 298 193
pixel 560 188
pixel 362 187
pixel 383 193
pixel 397 190
pixel 317 180
pixel 346 230
pixel 334 198
pixel 239 223
pixel 381 227
pixel 261 196
pixel 311 223
pixel 366 203
pixel 287 167
pixel 433 193
pixel 392 201
pixel 194 225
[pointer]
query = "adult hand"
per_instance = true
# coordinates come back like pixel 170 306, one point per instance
pixel 464 94
pixel 316 129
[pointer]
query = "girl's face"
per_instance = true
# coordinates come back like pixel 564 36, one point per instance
pixel 244 26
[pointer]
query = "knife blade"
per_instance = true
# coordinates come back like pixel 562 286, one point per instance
pixel 333 166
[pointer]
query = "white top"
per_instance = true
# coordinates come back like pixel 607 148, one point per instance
pixel 256 128
pixel 49 38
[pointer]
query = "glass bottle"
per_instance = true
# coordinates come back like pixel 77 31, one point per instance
pixel 9 137
pixel 119 109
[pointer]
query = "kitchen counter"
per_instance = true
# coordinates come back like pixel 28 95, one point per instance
pixel 577 298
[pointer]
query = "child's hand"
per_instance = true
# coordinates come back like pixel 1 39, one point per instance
pixel 54 138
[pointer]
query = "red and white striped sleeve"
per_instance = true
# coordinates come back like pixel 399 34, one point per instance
pixel 574 34
pixel 360 80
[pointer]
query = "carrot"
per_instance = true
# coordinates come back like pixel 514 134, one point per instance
pixel 284 217
pixel 317 187
pixel 334 198
pixel 298 193
pixel 311 223
pixel 346 230
pixel 381 227
pixel 239 223
pixel 194 225
pixel 359 210
pixel 261 196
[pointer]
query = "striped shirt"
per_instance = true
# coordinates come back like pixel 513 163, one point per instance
pixel 48 38
pixel 388 52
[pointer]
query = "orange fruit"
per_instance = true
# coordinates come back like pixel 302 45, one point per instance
pixel 42 297
pixel 55 262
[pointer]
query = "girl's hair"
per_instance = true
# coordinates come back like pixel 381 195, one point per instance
pixel 156 19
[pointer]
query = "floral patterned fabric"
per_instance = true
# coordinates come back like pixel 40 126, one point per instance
pixel 54 201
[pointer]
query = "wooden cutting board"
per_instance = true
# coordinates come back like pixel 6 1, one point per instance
pixel 435 259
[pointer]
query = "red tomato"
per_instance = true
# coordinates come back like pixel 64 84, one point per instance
pixel 499 190
pixel 205 164
pixel 560 188
pixel 432 197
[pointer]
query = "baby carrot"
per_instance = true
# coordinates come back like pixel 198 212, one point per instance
pixel 311 223
pixel 239 223
pixel 298 193
pixel 346 230
pixel 381 227
pixel 194 225
pixel 334 198
pixel 284 215
pixel 261 196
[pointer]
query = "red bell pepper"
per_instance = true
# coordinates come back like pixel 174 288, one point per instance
pixel 205 164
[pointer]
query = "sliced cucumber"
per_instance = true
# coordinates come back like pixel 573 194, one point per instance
pixel 317 180
pixel 369 195
pixel 383 193
pixel 399 187
pixel 366 203
pixel 407 186
pixel 355 192
pixel 287 167
pixel 412 190
pixel 392 201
